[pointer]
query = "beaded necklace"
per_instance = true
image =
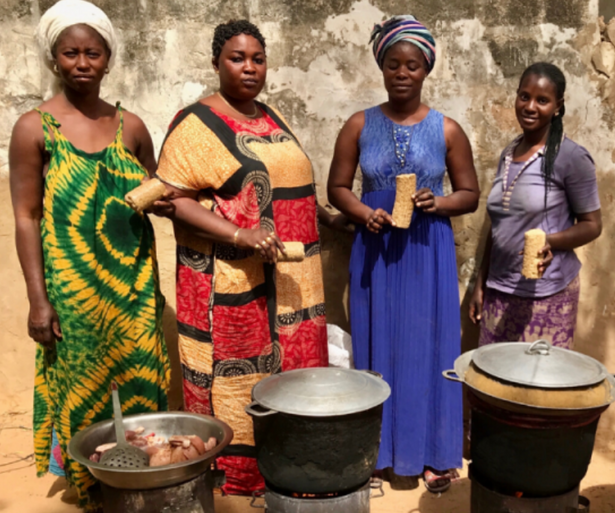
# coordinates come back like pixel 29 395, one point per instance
pixel 402 139
pixel 507 189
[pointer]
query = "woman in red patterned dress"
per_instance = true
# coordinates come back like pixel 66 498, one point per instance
pixel 242 187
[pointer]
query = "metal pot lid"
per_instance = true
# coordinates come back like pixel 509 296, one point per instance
pixel 321 391
pixel 539 365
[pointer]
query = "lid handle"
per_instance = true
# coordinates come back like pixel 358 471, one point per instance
pixel 540 347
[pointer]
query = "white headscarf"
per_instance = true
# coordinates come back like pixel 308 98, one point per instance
pixel 67 13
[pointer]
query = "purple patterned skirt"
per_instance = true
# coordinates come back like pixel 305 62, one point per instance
pixel 509 318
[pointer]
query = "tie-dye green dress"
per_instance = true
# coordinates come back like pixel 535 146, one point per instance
pixel 102 279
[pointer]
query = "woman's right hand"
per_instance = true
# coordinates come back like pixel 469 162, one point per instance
pixel 263 242
pixel 377 219
pixel 44 323
pixel 476 304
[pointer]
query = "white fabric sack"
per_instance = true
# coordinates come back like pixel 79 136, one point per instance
pixel 340 347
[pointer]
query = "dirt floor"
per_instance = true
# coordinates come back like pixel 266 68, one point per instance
pixel 22 492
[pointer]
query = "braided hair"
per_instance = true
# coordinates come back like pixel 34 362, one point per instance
pixel 232 28
pixel 556 130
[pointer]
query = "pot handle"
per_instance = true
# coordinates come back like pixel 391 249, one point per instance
pixel 265 412
pixel 451 375
pixel 583 504
pixel 375 485
pixel 259 494
pixel 540 347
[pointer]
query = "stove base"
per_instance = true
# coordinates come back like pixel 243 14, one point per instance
pixel 194 496
pixel 488 501
pixel 355 502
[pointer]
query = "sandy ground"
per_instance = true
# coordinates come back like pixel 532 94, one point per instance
pixel 22 492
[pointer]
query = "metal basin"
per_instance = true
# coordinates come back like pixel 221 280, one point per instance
pixel 166 424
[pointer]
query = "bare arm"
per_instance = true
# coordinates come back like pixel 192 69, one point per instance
pixel 476 301
pixel 483 273
pixel 26 176
pixel 461 171
pixel 341 176
pixel 143 145
pixel 338 222
pixel 204 223
pixel 143 148
pixel 587 228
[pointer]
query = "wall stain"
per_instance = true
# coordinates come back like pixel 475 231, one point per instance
pixel 514 56
pixel 14 9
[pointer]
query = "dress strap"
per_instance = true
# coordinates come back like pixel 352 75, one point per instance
pixel 50 124
pixel 120 129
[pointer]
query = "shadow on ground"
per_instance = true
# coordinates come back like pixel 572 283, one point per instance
pixel 456 500
pixel 602 497
pixel 60 485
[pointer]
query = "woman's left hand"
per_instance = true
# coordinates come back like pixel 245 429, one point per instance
pixel 164 207
pixel 426 200
pixel 547 258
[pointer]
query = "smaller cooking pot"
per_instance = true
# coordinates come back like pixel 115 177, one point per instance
pixel 317 430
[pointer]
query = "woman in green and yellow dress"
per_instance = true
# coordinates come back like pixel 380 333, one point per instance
pixel 88 259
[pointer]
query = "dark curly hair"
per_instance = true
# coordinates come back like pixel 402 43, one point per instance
pixel 225 31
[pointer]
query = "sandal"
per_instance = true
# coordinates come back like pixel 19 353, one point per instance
pixel 431 479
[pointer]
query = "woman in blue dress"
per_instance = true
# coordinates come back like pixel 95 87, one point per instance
pixel 404 296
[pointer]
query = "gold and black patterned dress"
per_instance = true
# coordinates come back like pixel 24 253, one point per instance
pixel 241 319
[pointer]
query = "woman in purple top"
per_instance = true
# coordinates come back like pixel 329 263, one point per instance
pixel 544 181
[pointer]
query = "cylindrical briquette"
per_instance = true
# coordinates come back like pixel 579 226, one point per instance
pixel 404 204
pixel 535 240
pixel 295 252
pixel 145 195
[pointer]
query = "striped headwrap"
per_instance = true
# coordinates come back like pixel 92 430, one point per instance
pixel 403 28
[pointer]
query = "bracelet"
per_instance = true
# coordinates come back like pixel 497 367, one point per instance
pixel 235 237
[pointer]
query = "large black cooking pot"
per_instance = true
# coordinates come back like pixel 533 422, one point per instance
pixel 535 410
pixel 317 431
pixel 514 452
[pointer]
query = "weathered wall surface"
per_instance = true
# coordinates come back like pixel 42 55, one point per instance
pixel 320 72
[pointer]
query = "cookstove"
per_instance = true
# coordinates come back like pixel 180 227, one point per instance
pixel 193 496
pixel 357 501
pixel 487 500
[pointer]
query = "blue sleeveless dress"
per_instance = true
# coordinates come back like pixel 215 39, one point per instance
pixel 404 299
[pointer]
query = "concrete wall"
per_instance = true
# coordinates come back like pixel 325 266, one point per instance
pixel 320 72
pixel 607 9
